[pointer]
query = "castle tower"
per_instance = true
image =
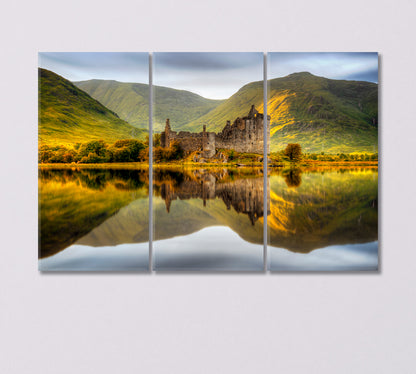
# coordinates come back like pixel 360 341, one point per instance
pixel 164 136
pixel 167 125
pixel 204 137
pixel 208 143
pixel 252 113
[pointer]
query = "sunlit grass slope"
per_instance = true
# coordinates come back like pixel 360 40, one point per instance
pixel 321 114
pixel 68 115
pixel 238 105
pixel 334 116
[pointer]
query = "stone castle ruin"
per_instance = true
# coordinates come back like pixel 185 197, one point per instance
pixel 244 135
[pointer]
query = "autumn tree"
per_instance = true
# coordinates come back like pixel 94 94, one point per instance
pixel 156 140
pixel 293 151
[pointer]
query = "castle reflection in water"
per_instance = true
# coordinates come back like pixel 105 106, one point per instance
pixel 306 210
pixel 243 193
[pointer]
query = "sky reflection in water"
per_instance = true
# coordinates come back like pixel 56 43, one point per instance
pixel 124 257
pixel 220 249
pixel 349 257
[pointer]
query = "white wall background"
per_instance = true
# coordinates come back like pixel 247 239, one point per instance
pixel 125 323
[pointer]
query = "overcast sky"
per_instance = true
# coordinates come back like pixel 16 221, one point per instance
pixel 210 74
pixel 361 66
pixel 214 75
pixel 78 66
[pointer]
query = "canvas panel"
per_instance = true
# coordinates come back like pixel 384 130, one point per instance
pixel 323 169
pixel 208 175
pixel 93 169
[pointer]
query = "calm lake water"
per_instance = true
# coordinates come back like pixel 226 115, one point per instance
pixel 323 220
pixel 208 220
pixel 93 220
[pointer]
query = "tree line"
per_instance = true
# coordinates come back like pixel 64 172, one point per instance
pixel 96 151
pixel 293 152
pixel 132 150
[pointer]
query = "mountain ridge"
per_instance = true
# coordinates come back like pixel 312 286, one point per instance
pixel 131 102
pixel 68 115
pixel 321 114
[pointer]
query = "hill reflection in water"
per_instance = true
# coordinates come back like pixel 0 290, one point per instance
pixel 321 219
pixel 74 203
pixel 187 202
pixel 307 210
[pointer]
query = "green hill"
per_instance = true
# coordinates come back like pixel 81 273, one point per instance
pixel 319 113
pixel 68 115
pixel 131 102
pixel 323 114
pixel 238 105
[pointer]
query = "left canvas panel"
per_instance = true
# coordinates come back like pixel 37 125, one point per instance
pixel 93 161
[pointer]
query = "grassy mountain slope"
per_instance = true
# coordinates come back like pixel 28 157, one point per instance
pixel 323 114
pixel 238 105
pixel 319 113
pixel 131 102
pixel 68 115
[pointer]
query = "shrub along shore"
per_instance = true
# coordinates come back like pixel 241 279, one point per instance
pixel 132 151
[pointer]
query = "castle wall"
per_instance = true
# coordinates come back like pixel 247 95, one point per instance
pixel 244 135
pixel 189 141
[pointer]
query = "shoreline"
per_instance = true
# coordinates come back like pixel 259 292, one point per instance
pixel 194 165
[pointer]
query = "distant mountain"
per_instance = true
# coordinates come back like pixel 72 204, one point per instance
pixel 323 114
pixel 238 105
pixel 320 114
pixel 131 102
pixel 68 115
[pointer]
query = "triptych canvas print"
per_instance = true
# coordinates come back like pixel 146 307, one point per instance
pixel 173 162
